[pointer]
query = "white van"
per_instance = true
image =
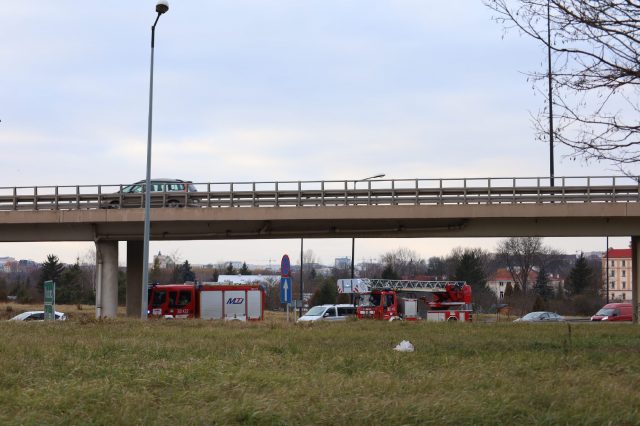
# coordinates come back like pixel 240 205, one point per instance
pixel 329 313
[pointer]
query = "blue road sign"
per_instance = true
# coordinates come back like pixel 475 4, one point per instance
pixel 285 290
pixel 285 266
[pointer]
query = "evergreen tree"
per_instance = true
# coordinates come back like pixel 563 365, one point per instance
pixel 245 270
pixel 186 274
pixel 580 278
pixel 542 287
pixel 69 285
pixel 230 269
pixel 326 293
pixel 51 270
pixel 470 268
pixel 539 304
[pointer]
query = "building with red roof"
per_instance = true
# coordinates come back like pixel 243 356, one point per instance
pixel 617 273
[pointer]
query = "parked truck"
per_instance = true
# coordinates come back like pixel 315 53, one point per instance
pixel 410 300
pixel 207 301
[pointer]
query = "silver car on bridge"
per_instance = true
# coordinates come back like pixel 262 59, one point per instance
pixel 164 193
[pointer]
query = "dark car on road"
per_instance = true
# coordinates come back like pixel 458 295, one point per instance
pixel 164 193
pixel 541 316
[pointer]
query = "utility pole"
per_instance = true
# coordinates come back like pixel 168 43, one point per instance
pixel 551 171
pixel 301 274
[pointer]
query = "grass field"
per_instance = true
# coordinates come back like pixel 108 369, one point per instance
pixel 194 372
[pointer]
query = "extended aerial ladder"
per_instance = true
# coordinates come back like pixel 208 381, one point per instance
pixel 365 285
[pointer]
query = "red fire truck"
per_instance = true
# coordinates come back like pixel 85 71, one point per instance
pixel 207 301
pixel 410 300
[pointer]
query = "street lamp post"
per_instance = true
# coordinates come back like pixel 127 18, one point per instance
pixel 353 239
pixel 161 7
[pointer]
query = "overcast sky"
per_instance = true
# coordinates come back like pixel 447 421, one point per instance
pixel 269 90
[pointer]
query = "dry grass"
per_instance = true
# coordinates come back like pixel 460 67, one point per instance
pixel 9 310
pixel 196 372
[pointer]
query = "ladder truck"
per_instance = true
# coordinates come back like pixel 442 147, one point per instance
pixel 409 299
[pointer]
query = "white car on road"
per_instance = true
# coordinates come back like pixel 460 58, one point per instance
pixel 36 316
pixel 329 313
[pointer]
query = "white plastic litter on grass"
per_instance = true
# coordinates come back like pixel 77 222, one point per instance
pixel 404 346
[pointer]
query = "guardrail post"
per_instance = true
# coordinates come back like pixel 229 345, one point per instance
pixel 417 194
pixel 464 192
pixel 55 203
pixel 613 194
pixel 277 205
pixel 299 194
pixel 253 196
pixel 346 195
pixel 78 197
pixel 322 192
pixel 35 198
pixel 15 198
pixel 231 194
pixel 440 201
pixel 393 192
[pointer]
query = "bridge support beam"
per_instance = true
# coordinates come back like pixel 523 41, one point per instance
pixel 635 264
pixel 134 278
pixel 107 279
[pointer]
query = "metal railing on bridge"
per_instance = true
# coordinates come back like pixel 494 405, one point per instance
pixel 388 192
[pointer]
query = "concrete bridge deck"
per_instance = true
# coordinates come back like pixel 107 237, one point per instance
pixel 483 207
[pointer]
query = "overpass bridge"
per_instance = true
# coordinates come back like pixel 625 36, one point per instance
pixel 464 207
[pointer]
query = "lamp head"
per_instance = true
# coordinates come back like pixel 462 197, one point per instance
pixel 162 6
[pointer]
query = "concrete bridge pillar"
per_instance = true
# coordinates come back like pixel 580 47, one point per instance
pixel 134 278
pixel 635 264
pixel 107 279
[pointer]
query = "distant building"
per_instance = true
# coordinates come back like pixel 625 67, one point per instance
pixel 619 279
pixel 342 263
pixel 499 280
pixel 7 264
pixel 163 260
pixel 269 280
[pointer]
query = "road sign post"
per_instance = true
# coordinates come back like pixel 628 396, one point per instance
pixel 49 300
pixel 286 289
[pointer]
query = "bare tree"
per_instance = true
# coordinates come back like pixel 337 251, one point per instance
pixel 520 255
pixel 596 71
pixel 310 257
pixel 404 262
